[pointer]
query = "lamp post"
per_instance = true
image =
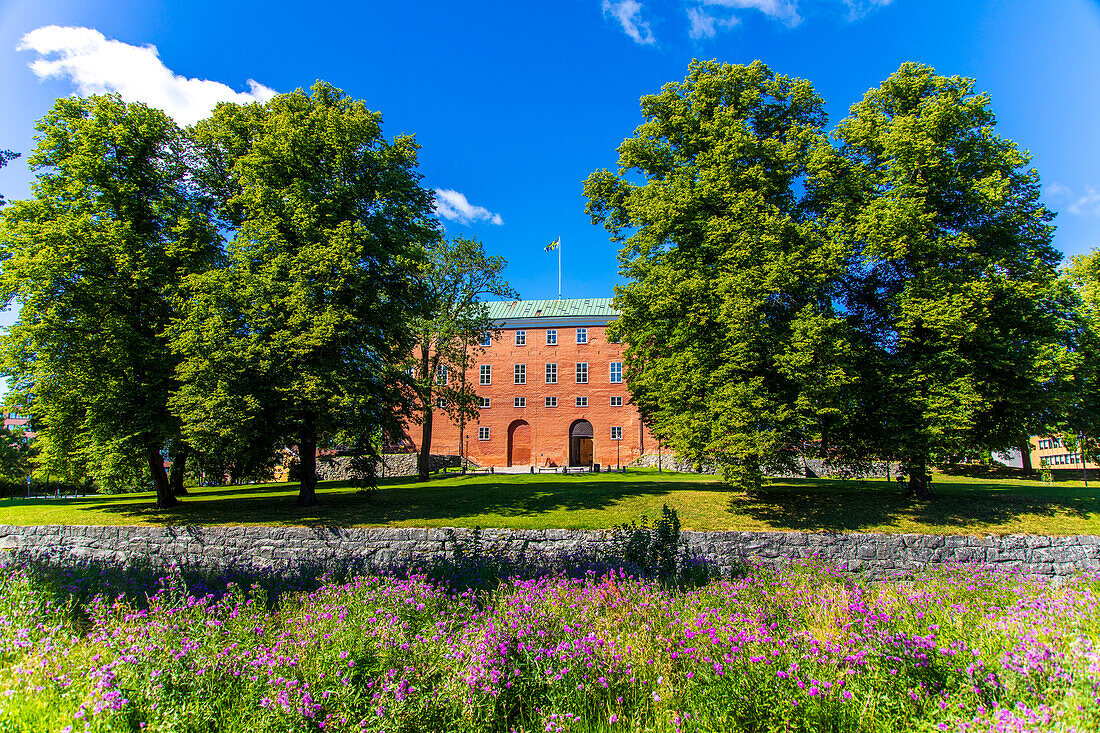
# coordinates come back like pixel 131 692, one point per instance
pixel 618 442
pixel 466 460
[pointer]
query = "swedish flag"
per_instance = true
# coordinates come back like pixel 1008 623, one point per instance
pixel 553 245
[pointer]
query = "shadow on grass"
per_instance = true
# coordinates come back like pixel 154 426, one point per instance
pixel 395 501
pixel 851 506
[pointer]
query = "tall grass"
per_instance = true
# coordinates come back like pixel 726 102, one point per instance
pixel 803 649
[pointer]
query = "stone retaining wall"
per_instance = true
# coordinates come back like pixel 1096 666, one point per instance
pixel 217 547
pixel 338 468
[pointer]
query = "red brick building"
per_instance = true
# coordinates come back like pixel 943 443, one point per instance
pixel 551 389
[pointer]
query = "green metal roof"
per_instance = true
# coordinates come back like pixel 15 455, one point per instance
pixel 500 310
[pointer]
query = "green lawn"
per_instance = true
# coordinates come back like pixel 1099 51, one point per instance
pixel 964 505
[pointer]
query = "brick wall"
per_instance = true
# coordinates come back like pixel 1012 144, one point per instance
pixel 539 434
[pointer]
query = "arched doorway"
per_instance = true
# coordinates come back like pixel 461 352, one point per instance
pixel 519 443
pixel 580 443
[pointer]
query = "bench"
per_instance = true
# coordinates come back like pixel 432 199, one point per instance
pixel 576 469
pixel 547 469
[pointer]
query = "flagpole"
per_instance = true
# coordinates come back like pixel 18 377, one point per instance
pixel 559 267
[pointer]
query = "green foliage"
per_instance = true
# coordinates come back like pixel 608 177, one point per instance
pixel 951 272
pixel 298 338
pixel 893 293
pixel 454 276
pixel 733 351
pixel 95 258
pixel 1081 423
pixel 655 548
pixel 17 453
pixel 6 156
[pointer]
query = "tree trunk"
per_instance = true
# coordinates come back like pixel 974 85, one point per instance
pixel 1025 457
pixel 918 479
pixel 165 497
pixel 179 469
pixel 307 463
pixel 423 458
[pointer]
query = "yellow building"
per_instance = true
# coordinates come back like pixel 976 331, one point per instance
pixel 1049 452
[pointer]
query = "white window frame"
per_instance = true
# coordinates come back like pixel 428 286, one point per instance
pixel 582 371
pixel 611 372
pixel 485 374
pixel 582 335
pixel 483 403
pixel 616 400
pixel 551 401
pixel 483 433
pixel 519 402
pixel 551 337
pixel 521 338
pixel 617 433
pixel 441 374
pixel 581 401
pixel 519 374
pixel 486 339
pixel 551 373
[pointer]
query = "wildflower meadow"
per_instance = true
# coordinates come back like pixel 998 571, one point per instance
pixel 802 649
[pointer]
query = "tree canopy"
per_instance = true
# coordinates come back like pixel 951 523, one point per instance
pixel 951 272
pixel 95 258
pixel 299 337
pixel 454 276
pixel 889 290
pixel 727 317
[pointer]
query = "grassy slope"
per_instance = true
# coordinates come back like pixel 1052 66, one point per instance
pixel 964 505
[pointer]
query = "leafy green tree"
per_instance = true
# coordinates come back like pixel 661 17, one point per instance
pixel 299 338
pixel 734 352
pixel 95 258
pixel 1080 424
pixel 456 273
pixel 17 451
pixel 6 156
pixel 951 273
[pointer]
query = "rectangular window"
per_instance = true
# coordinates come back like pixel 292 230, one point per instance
pixel 616 401
pixel 521 338
pixel 551 401
pixel 483 433
pixel 582 402
pixel 551 336
pixel 551 373
pixel 616 433
pixel 441 374
pixel 616 372
pixel 519 402
pixel 483 402
pixel 614 339
pixel 486 339
pixel 582 372
pixel 486 373
pixel 521 374
pixel 441 404
pixel 582 335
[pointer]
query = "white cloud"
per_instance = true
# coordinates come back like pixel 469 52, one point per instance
pixel 453 206
pixel 1087 205
pixel 785 11
pixel 628 13
pixel 859 8
pixel 1056 189
pixel 96 65
pixel 704 25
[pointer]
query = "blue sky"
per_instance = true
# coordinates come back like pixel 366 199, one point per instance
pixel 515 103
